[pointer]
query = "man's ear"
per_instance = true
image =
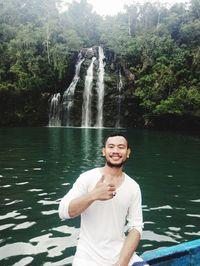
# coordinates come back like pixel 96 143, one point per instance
pixel 103 151
pixel 128 153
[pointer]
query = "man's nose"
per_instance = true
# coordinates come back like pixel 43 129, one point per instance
pixel 116 150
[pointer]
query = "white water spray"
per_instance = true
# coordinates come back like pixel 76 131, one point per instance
pixel 68 96
pixel 54 114
pixel 100 89
pixel 120 87
pixel 87 97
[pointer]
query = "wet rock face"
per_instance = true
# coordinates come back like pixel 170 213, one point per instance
pixel 88 53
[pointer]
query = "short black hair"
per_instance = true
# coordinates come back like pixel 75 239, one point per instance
pixel 116 134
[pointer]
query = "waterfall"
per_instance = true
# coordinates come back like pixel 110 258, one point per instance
pixel 100 89
pixel 54 114
pixel 120 87
pixel 87 97
pixel 68 96
pixel 65 111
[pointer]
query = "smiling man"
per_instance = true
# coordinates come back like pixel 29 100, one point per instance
pixel 107 199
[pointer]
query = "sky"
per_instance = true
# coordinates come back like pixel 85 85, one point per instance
pixel 112 7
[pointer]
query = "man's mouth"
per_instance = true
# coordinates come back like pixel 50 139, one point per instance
pixel 115 157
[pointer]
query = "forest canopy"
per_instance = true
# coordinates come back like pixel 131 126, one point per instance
pixel 160 46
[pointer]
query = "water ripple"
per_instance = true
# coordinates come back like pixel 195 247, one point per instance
pixel 21 183
pixel 24 225
pixel 197 200
pixel 5 226
pixel 149 235
pixel 166 207
pixel 49 212
pixel 9 215
pixel 24 261
pixel 65 184
pixel 174 229
pixel 60 263
pixel 21 217
pixel 48 202
pixel 66 229
pixel 6 186
pixel 192 233
pixel 172 234
pixel 20 248
pixel 13 202
pixel 35 190
pixel 193 215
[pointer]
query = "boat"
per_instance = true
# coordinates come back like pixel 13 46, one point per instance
pixel 184 254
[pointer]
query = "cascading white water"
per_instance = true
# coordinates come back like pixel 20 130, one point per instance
pixel 120 87
pixel 68 96
pixel 87 97
pixel 54 114
pixel 100 89
pixel 61 107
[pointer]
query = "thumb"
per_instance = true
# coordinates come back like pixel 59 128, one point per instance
pixel 101 180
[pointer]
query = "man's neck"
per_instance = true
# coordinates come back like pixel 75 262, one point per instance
pixel 113 171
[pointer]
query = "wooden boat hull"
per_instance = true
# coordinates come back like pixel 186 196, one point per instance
pixel 185 254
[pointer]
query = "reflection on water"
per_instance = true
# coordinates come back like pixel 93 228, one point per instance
pixel 39 166
pixel 91 147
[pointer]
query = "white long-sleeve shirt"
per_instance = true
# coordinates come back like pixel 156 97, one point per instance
pixel 103 222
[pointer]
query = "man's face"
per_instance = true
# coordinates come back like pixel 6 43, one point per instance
pixel 116 151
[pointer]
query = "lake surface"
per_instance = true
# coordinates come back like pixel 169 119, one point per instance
pixel 39 165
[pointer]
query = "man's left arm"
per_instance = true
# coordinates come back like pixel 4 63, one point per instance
pixel 130 244
pixel 135 226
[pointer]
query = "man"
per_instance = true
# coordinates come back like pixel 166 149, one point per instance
pixel 106 198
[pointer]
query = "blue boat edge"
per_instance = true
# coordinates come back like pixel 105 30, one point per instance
pixel 184 254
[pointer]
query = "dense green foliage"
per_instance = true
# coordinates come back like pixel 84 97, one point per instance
pixel 159 46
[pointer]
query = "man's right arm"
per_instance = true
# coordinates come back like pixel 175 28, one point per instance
pixel 78 205
pixel 71 206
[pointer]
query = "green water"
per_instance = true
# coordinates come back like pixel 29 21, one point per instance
pixel 38 166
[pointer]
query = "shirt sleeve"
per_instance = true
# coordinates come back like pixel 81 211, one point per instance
pixel 135 217
pixel 78 189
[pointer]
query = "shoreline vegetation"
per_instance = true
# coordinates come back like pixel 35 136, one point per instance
pixel 156 47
